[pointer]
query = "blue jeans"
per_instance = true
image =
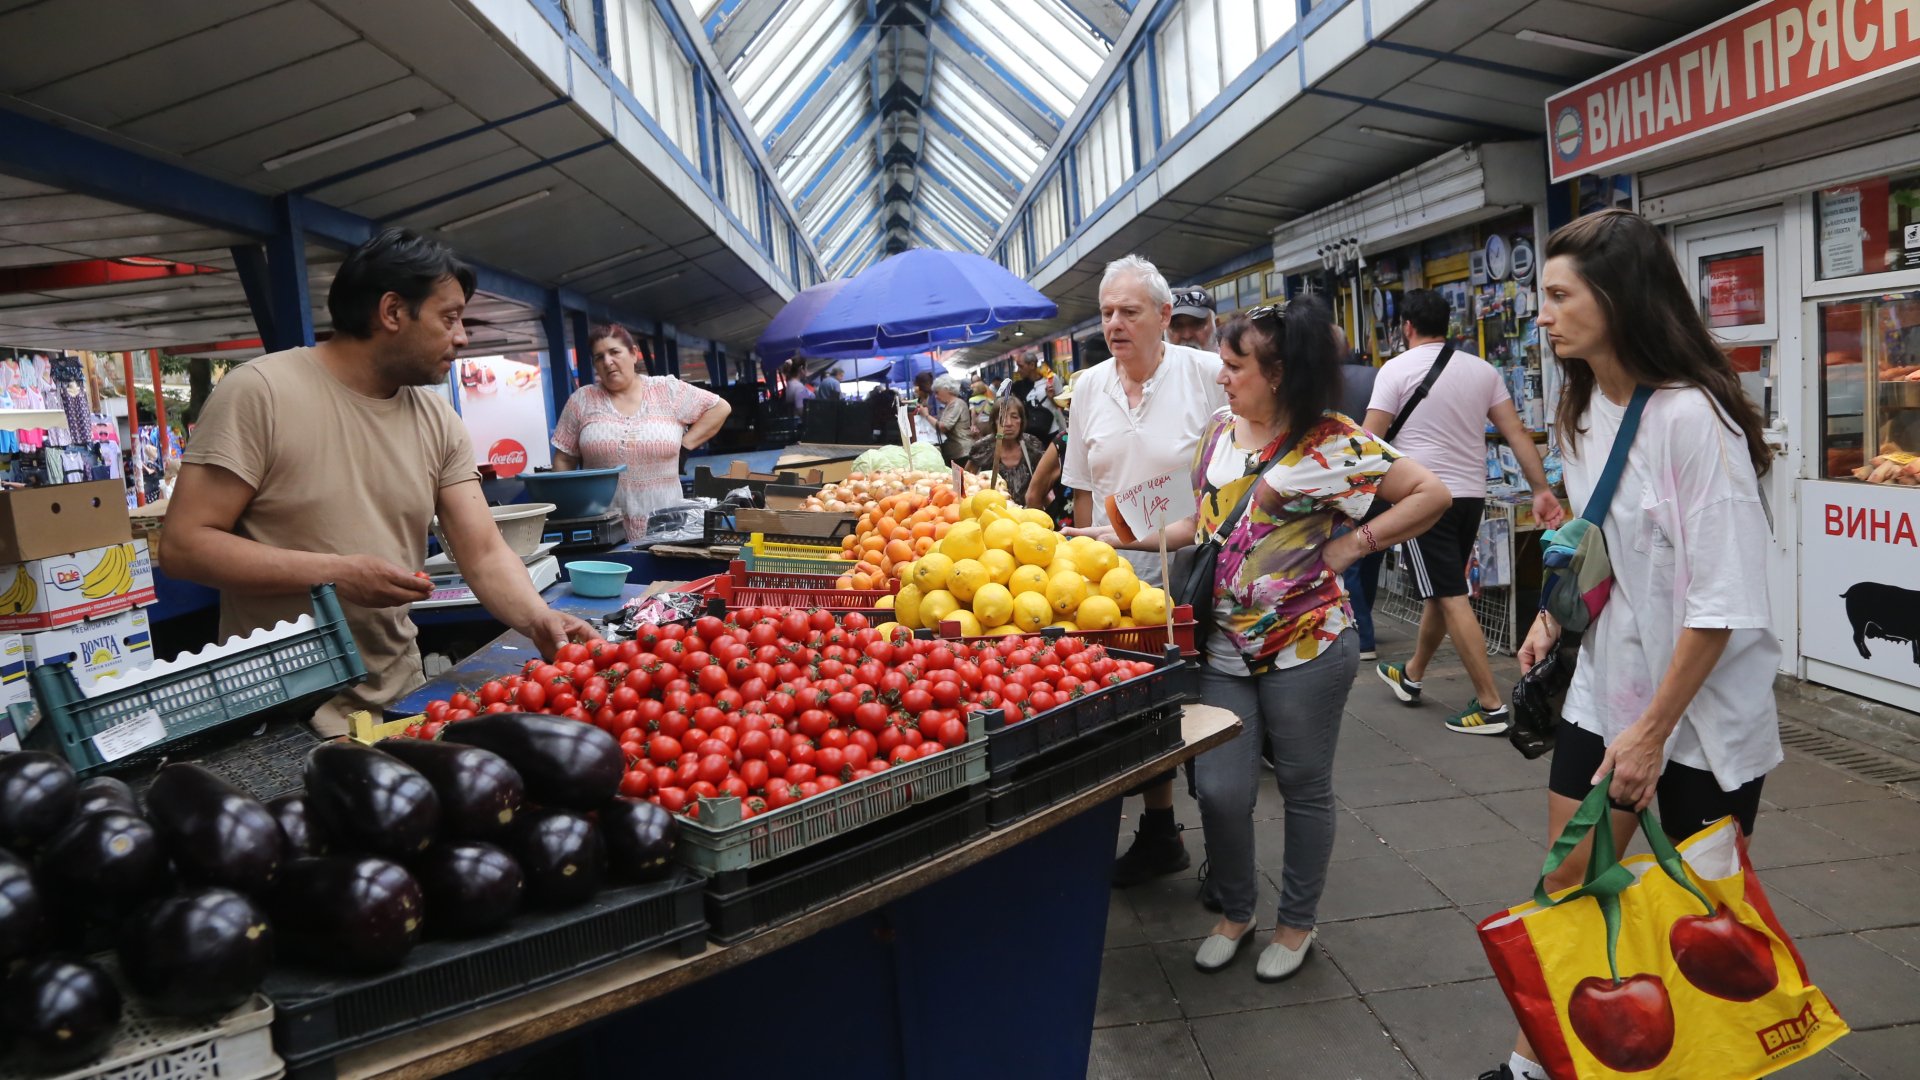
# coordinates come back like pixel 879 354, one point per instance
pixel 1363 581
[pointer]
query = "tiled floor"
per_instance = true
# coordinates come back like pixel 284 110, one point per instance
pixel 1436 831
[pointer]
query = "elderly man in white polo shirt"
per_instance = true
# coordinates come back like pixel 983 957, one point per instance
pixel 1137 416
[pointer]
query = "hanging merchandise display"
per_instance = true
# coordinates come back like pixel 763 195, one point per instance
pixel 48 434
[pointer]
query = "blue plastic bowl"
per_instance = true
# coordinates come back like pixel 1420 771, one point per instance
pixel 577 494
pixel 597 579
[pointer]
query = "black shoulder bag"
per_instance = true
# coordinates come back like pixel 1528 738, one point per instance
pixel 1194 567
pixel 1381 506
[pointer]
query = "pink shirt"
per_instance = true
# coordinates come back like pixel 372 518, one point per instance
pixel 1448 429
pixel 647 443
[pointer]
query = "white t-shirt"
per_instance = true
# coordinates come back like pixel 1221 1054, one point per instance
pixel 1687 537
pixel 1448 429
pixel 1111 447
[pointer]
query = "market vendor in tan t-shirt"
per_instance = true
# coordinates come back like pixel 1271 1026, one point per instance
pixel 325 464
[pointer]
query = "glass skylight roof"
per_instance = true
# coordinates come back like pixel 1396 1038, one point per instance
pixel 902 122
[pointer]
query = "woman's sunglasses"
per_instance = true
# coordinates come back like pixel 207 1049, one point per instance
pixel 1276 312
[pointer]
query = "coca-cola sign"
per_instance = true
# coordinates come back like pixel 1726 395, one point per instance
pixel 507 457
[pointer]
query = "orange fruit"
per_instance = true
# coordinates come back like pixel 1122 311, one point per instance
pixel 899 550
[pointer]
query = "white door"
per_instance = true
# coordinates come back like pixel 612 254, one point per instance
pixel 1736 267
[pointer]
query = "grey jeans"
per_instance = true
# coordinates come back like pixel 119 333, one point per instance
pixel 1298 709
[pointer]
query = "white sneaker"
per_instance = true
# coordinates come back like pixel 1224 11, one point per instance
pixel 1219 950
pixel 1278 962
pixel 1369 654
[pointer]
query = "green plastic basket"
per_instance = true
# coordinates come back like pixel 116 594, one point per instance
pixel 719 841
pixel 308 665
pixel 793 564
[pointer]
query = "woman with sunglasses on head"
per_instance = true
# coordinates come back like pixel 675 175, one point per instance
pixel 1009 454
pixel 627 417
pixel 1282 654
pixel 1672 693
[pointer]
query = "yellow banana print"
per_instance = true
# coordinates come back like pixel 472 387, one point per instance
pixel 20 595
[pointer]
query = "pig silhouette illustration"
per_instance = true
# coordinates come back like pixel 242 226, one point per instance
pixel 1883 611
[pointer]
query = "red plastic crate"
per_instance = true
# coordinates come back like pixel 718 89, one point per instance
pixel 741 587
pixel 1141 639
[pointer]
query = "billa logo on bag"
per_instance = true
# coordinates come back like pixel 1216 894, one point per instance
pixel 1790 1033
pixel 507 457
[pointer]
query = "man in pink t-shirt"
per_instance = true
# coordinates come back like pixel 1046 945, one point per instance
pixel 1446 432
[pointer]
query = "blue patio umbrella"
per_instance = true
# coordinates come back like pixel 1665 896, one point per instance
pixel 865 367
pixel 781 339
pixel 906 367
pixel 925 298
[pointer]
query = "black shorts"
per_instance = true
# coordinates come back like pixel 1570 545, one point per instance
pixel 1688 799
pixel 1438 557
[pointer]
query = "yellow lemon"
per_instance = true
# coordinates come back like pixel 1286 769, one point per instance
pixel 886 630
pixel 999 564
pixel 1127 623
pixel 1031 612
pixel 967 577
pixel 885 603
pixel 1063 565
pixel 964 541
pixel 1038 517
pixel 1097 613
pixel 937 607
pixel 906 605
pixel 969 623
pixel 1097 558
pixel 1034 545
pixel 1119 584
pixel 1150 606
pixel 1067 626
pixel 1028 579
pixel 993 604
pixel 988 499
pixel 1065 592
pixel 932 572
pixel 1000 535
pixel 1002 630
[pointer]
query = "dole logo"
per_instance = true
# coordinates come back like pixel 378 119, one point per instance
pixel 507 457
pixel 67 577
pixel 1790 1032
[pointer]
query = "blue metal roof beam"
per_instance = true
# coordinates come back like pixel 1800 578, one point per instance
pixel 1106 18
pixel 961 137
pixel 988 173
pixel 735 23
pixel 848 61
pixel 859 135
pixel 1020 104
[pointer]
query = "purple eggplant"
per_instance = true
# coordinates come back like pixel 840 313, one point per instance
pixel 347 913
pixel 106 864
pixel 565 763
pixel 37 795
pixel 62 1010
pixel 562 854
pixel 369 801
pixel 103 793
pixel 23 911
pixel 303 834
pixel 217 834
pixel 640 838
pixel 479 792
pixel 197 954
pixel 471 887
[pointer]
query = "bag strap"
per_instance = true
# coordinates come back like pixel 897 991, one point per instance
pixel 1602 498
pixel 1420 392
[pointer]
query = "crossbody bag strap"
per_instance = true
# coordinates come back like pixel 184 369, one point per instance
pixel 1420 392
pixel 1602 497
pixel 1227 523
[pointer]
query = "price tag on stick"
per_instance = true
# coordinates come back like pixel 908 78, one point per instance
pixel 1147 508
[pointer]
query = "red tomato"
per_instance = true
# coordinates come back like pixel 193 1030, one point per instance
pixel 916 700
pixel 736 787
pixel 626 697
pixel 777 762
pixel 855 755
pixel 1042 700
pixel 814 723
pixel 835 738
pixel 853 620
pixel 946 694
pixel 755 774
pixel 880 651
pixel 755 744
pixel 673 799
pixel 702 789
pixel 929 748
pixel 636 783
pixel 871 716
pixel 438 710
pixel 782 794
pixel 498 707
pixel 799 774
pixel 952 732
pixel 663 748
pixel 901 753
pixel 709 627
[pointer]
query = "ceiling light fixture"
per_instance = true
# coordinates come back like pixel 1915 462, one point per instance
pixel 495 211
pixel 1405 136
pixel 1575 44
pixel 647 284
pixel 339 141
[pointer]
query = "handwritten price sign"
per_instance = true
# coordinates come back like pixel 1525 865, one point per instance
pixel 1147 507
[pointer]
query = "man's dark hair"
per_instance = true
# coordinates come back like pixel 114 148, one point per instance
pixel 1427 311
pixel 396 261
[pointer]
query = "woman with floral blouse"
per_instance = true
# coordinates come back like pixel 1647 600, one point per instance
pixel 1281 655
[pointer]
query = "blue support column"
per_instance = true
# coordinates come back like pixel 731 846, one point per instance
pixel 553 324
pixel 250 262
pixel 582 346
pixel 287 278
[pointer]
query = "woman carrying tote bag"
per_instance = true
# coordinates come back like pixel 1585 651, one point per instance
pixel 1277 474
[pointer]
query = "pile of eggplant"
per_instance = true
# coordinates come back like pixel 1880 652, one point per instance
pixel 201 891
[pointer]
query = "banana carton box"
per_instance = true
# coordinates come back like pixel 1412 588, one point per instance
pixel 40 594
pixel 95 649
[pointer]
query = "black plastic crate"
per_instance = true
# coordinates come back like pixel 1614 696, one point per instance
pixel 783 890
pixel 1059 777
pixel 318 1015
pixel 1013 745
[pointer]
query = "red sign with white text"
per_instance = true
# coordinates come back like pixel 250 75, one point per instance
pixel 1767 56
pixel 507 457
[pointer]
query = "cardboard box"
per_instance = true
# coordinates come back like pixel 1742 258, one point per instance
pixel 94 649
pixel 817 524
pixel 14 688
pixel 40 594
pixel 39 522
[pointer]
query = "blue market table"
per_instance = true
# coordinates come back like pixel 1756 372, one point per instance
pixel 984 962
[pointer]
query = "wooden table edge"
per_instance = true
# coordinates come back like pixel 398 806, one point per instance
pixel 448 1045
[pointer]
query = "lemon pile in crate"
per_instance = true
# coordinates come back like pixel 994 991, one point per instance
pixel 1000 569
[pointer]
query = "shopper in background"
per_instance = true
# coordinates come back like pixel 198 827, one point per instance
pixel 1045 490
pixel 627 417
pixel 1192 324
pixel 983 406
pixel 1362 579
pixel 1446 432
pixel 951 418
pixel 1138 415
pixel 1011 455
pixel 1035 383
pixel 829 389
pixel 1673 691
pixel 1280 657
pixel 324 464
pixel 797 393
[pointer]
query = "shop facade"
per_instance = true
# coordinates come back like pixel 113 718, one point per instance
pixel 1781 163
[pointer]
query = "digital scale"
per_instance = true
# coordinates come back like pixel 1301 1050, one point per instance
pixel 586 533
pixel 452 590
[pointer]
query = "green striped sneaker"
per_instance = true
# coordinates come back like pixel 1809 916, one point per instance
pixel 1395 676
pixel 1476 720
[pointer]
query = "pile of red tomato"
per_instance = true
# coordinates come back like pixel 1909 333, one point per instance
pixel 774 705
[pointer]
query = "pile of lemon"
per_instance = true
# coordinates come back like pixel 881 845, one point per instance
pixel 1002 569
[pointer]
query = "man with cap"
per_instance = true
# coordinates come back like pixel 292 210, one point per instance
pixel 1192 323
